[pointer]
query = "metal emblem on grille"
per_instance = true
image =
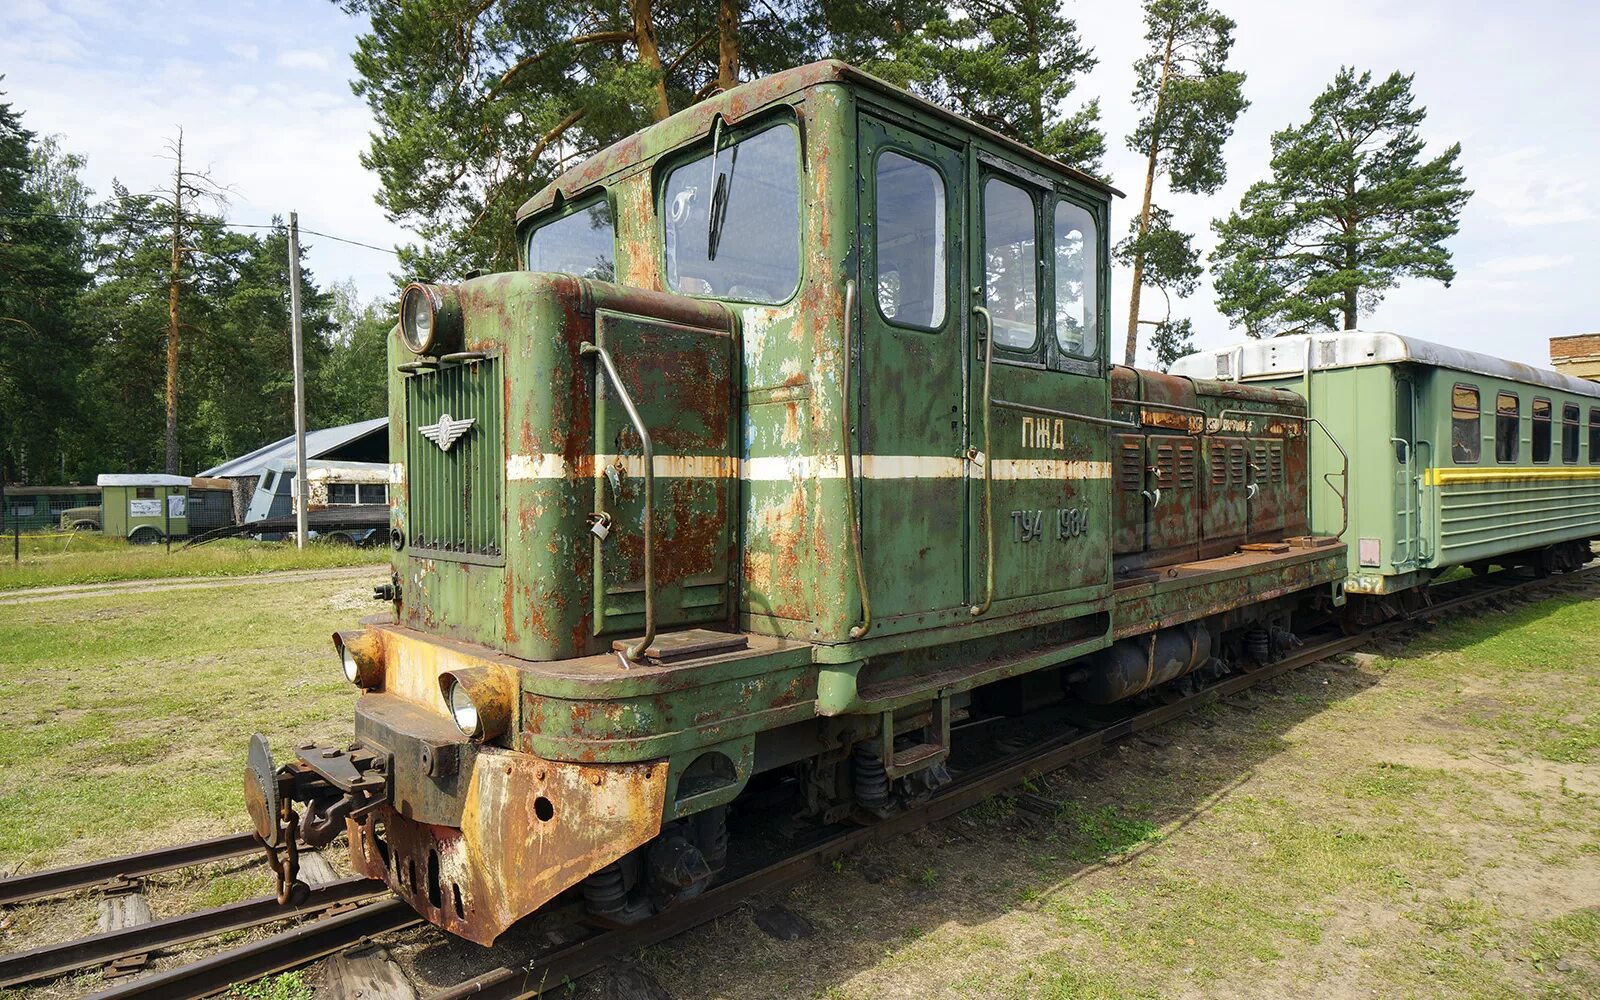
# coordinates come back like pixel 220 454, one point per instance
pixel 447 431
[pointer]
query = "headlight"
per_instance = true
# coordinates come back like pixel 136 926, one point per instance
pixel 463 710
pixel 430 319
pixel 361 657
pixel 480 699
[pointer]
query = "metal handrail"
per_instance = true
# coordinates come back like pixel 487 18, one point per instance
pixel 1327 477
pixel 856 631
pixel 988 461
pixel 636 651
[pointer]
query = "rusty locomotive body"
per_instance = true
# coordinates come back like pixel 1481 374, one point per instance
pixel 794 445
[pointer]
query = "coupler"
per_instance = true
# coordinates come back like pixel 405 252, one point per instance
pixel 333 784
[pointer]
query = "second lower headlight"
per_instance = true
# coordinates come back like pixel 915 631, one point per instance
pixel 480 699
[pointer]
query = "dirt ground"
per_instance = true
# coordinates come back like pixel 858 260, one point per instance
pixel 1422 823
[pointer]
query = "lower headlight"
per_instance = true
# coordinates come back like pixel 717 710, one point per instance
pixel 463 710
pixel 481 700
pixel 361 656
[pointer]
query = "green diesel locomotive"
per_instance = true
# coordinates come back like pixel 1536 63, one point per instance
pixel 794 446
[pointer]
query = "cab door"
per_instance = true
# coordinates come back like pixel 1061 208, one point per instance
pixel 1036 258
pixel 911 314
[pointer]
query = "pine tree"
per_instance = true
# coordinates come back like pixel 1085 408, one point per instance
pixel 478 105
pixel 1189 102
pixel 41 275
pixel 1351 208
pixel 1011 65
pixel 1172 339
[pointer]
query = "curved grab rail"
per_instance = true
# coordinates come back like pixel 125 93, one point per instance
pixel 988 487
pixel 1327 477
pixel 636 651
pixel 856 631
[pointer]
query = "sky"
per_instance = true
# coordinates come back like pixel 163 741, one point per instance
pixel 262 93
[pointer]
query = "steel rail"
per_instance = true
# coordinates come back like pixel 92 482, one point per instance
pixel 286 950
pixel 568 962
pixel 553 968
pixel 19 888
pixel 98 949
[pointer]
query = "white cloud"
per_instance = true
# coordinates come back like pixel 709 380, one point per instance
pixel 1525 263
pixel 249 53
pixel 1534 186
pixel 303 59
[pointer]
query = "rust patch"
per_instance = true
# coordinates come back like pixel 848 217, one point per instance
pixel 530 829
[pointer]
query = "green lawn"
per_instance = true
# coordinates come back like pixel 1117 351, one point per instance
pixel 1426 825
pixel 123 721
pixel 86 557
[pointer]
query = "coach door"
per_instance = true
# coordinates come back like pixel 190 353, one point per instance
pixel 910 313
pixel 1035 258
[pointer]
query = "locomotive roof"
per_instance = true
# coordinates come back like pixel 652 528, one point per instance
pixel 1276 357
pixel 695 121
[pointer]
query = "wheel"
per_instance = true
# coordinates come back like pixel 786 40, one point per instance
pixel 145 536
pixel 337 538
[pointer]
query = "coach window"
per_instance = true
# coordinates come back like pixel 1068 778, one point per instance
pixel 1541 429
pixel 732 219
pixel 578 243
pixel 1594 436
pixel 1010 265
pixel 1077 300
pixel 1507 426
pixel 910 242
pixel 1569 433
pixel 1466 441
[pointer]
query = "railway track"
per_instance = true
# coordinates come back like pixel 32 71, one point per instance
pixel 345 912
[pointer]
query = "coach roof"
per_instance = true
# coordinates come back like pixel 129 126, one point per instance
pixel 732 106
pixel 1276 357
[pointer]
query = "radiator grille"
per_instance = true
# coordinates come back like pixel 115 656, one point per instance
pixel 455 494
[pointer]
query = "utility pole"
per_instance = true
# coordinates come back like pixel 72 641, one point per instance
pixel 172 312
pixel 300 489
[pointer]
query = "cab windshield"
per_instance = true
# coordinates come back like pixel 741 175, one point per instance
pixel 732 220
pixel 578 243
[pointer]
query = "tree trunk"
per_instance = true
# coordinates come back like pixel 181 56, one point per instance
pixel 728 44
pixel 644 36
pixel 172 314
pixel 1144 213
pixel 1350 308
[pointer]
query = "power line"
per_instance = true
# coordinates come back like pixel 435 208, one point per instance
pixel 218 222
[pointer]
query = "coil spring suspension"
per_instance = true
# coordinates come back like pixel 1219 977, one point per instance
pixel 871 778
pixel 604 893
pixel 1258 643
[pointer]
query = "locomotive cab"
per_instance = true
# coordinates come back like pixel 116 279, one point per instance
pixel 791 447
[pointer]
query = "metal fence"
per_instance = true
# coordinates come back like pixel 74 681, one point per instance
pixel 33 508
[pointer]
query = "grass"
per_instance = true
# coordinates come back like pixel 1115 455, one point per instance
pixel 1425 826
pixel 123 720
pixel 84 557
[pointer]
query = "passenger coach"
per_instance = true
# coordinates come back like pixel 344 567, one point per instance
pixel 1457 458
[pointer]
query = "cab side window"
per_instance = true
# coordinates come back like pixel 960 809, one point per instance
pixel 910 242
pixel 1466 440
pixel 1569 433
pixel 1077 295
pixel 1507 426
pixel 1541 429
pixel 1010 264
